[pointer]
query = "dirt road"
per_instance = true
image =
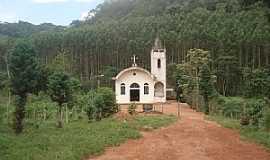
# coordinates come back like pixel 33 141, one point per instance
pixel 191 138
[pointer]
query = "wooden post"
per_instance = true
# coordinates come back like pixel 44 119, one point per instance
pixel 66 113
pixel 44 114
pixel 34 114
pixel 178 109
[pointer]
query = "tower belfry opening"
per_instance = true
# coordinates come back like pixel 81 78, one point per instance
pixel 158 44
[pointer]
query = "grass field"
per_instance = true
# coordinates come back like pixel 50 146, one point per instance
pixel 247 132
pixel 76 140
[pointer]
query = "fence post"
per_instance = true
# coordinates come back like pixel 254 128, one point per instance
pixel 178 109
pixel 66 108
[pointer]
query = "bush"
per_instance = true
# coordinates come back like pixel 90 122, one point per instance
pixel 249 111
pixel 81 104
pixel 100 104
pixel 132 108
pixel 40 107
pixel 266 119
pixel 110 106
pixel 231 106
pixel 254 109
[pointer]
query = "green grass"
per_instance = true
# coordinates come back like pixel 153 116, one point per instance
pixel 226 122
pixel 75 141
pixel 247 132
pixel 255 135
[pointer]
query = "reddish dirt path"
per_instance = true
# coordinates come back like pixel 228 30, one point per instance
pixel 191 138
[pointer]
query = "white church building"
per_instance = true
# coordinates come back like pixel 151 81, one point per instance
pixel 136 84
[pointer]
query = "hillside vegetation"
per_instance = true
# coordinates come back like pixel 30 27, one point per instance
pixel 236 32
pixel 25 29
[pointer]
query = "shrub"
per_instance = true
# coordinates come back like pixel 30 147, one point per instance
pixel 100 104
pixel 250 111
pixel 266 119
pixel 40 108
pixel 82 103
pixel 254 109
pixel 132 108
pixel 232 107
pixel 90 110
pixel 110 106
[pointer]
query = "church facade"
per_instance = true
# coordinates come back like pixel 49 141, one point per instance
pixel 138 85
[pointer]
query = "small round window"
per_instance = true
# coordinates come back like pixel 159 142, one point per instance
pixel 134 74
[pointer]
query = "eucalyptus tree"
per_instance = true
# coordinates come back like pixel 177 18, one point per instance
pixel 229 75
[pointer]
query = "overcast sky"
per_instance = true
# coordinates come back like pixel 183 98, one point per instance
pixel 60 12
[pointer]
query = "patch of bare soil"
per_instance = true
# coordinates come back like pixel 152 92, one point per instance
pixel 191 138
pixel 123 116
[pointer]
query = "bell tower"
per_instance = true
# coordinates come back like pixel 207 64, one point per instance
pixel 158 65
pixel 158 61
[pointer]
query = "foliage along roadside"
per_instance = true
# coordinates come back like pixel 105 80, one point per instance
pixel 249 133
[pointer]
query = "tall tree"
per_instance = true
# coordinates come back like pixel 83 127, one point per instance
pixel 229 75
pixel 205 86
pixel 24 72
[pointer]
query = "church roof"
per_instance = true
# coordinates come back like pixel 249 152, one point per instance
pixel 132 69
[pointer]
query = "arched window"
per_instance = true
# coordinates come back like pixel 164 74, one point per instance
pixel 134 86
pixel 159 63
pixel 159 89
pixel 123 89
pixel 146 88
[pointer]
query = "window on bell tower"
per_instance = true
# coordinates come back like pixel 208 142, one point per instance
pixel 159 63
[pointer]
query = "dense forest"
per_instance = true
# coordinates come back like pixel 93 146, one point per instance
pixel 236 32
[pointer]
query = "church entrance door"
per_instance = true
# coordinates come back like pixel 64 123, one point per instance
pixel 134 93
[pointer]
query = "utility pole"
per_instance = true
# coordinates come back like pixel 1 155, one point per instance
pixel 98 79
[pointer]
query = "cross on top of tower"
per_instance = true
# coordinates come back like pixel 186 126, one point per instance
pixel 134 58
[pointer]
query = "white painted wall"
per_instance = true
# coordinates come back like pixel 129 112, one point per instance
pixel 140 78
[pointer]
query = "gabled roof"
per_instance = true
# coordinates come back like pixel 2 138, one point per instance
pixel 132 69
